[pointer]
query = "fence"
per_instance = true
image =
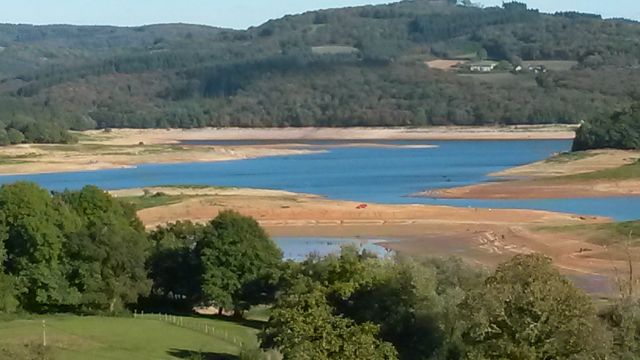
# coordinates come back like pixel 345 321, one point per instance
pixel 195 325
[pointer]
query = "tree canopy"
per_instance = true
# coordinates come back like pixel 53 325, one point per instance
pixel 527 310
pixel 75 250
pixel 336 67
pixel 229 262
pixel 619 131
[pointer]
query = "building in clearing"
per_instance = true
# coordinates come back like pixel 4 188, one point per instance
pixel 483 66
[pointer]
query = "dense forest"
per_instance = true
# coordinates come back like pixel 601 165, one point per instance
pixel 618 131
pixel 339 67
pixel 86 252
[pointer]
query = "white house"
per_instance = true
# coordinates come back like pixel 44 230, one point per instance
pixel 483 66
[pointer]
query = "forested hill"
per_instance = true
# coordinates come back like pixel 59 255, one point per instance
pixel 370 65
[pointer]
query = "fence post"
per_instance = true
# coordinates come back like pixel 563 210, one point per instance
pixel 44 333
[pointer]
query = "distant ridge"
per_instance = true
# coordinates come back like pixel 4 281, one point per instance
pixel 357 66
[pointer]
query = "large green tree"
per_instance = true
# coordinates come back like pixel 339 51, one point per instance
pixel 303 327
pixel 174 264
pixel 108 252
pixel 234 252
pixel 528 311
pixel 35 247
pixel 413 304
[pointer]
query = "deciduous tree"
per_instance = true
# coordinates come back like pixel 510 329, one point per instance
pixel 528 311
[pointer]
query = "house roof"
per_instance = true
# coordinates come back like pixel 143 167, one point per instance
pixel 483 63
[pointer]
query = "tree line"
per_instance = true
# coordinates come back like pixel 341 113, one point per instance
pixel 355 306
pixel 85 251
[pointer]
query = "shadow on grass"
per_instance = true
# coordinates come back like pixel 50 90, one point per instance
pixel 255 324
pixel 197 355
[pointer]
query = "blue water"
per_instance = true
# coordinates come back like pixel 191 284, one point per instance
pixel 299 248
pixel 385 175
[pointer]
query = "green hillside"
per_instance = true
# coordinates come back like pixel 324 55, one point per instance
pixel 340 67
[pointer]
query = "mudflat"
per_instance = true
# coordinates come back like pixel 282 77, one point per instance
pixel 482 236
pixel 34 159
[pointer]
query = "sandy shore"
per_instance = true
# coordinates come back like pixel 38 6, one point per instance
pixel 548 179
pixel 172 136
pixel 481 236
pixel 540 189
pixel 35 159
pixel 567 164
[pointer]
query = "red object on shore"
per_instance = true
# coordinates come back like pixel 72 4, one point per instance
pixel 362 206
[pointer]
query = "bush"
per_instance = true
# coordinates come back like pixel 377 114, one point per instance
pixel 4 137
pixel 8 301
pixel 620 131
pixel 15 136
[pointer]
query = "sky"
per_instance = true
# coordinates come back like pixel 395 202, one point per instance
pixel 238 14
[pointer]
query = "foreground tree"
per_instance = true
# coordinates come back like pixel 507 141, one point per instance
pixel 302 327
pixel 528 311
pixel 174 265
pixel 34 245
pixel 107 253
pixel 235 252
pixel 412 305
pixel 623 318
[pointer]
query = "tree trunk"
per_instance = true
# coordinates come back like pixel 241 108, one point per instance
pixel 112 305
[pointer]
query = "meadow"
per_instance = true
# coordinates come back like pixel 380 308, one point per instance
pixel 143 337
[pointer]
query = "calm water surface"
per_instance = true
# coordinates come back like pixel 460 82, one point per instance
pixel 298 248
pixel 385 175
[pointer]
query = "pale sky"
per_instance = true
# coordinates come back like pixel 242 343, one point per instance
pixel 237 14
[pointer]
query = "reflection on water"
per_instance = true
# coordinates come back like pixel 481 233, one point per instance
pixel 298 248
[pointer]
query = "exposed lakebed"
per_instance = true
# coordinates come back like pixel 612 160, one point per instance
pixel 383 174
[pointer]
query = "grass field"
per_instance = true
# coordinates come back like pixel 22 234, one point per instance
pixel 626 172
pixel 149 337
pixel 620 233
pixel 568 157
pixel 151 201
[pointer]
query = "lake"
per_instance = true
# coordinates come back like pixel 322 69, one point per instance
pixel 298 248
pixel 365 174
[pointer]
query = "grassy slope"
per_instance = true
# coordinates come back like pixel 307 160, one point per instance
pixel 568 157
pixel 620 233
pixel 72 337
pixel 146 202
pixel 626 172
